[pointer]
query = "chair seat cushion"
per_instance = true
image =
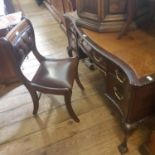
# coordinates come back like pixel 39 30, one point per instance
pixel 56 73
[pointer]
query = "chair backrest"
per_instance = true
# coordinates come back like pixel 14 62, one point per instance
pixel 18 43
pixel 21 40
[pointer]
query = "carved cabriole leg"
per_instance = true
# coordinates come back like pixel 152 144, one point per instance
pixel 128 129
pixel 123 148
pixel 69 106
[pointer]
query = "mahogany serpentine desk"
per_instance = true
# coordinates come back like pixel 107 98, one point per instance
pixel 129 68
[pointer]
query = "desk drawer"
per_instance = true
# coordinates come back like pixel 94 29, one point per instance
pixel 118 92
pixel 99 60
pixel 96 57
pixel 115 90
pixel 118 73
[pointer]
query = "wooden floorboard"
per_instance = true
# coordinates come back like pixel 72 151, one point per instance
pixel 53 132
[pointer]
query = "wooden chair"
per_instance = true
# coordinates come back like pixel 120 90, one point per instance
pixel 55 76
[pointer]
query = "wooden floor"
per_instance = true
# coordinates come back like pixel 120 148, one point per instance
pixel 53 132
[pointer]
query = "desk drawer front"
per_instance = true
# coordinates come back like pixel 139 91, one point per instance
pixel 118 73
pixel 118 87
pixel 96 57
pixel 115 89
pixel 99 60
pixel 118 92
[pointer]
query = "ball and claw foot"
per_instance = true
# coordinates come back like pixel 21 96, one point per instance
pixel 123 149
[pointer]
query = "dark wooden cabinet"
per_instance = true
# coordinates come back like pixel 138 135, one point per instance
pixel 114 15
pixel 128 67
pixel 102 15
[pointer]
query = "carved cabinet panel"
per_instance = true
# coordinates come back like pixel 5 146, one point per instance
pixel 112 15
pixel 117 6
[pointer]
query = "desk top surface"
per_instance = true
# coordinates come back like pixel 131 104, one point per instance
pixel 137 49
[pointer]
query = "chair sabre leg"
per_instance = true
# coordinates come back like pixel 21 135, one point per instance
pixel 70 109
pixel 35 100
pixel 79 82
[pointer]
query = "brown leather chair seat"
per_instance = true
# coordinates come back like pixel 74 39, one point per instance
pixel 56 74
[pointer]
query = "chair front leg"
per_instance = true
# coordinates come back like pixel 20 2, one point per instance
pixel 78 80
pixel 35 100
pixel 69 107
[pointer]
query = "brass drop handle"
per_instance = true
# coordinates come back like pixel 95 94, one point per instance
pixel 87 46
pixel 117 94
pixel 118 77
pixel 80 40
pixel 97 59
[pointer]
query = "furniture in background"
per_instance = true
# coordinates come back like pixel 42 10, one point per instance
pixel 9 6
pixel 55 76
pixel 114 15
pixel 8 20
pixel 59 7
pixel 6 7
pixel 128 68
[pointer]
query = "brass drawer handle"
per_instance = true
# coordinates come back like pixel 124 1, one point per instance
pixel 118 76
pixel 86 46
pixel 117 94
pixel 80 40
pixel 97 59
